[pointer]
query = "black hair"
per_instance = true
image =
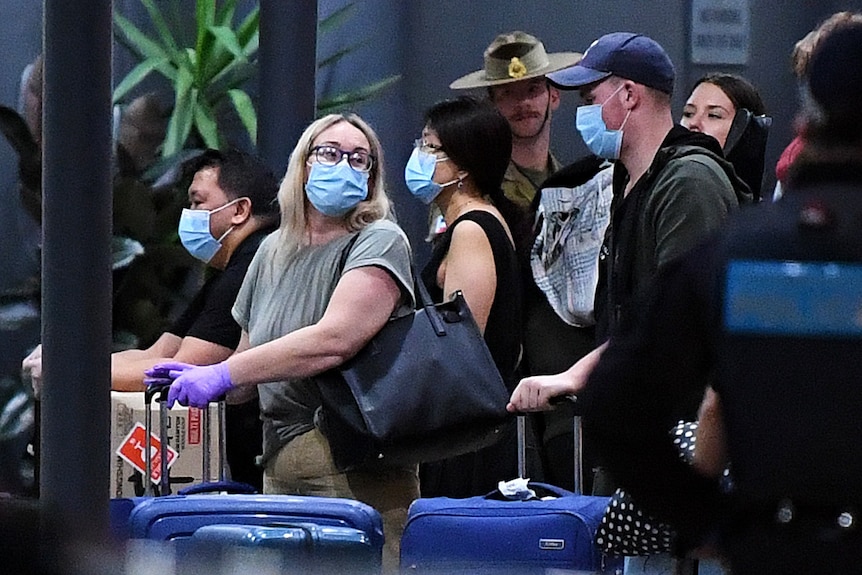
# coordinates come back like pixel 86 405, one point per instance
pixel 478 139
pixel 739 91
pixel 241 175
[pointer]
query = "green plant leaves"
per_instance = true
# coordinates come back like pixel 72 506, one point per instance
pixel 336 19
pixel 137 75
pixel 180 124
pixel 167 38
pixel 211 74
pixel 205 122
pixel 228 39
pixel 245 109
pixel 347 99
pixel 220 61
pixel 139 42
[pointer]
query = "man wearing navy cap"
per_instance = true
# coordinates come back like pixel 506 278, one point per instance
pixel 672 188
pixel 771 310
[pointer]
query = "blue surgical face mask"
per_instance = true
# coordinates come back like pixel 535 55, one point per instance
pixel 195 234
pixel 335 190
pixel 602 142
pixel 419 175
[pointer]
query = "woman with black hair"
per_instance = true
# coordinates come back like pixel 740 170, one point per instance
pixel 729 108
pixel 458 164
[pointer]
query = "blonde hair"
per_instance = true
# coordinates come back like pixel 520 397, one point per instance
pixel 291 194
pixel 805 47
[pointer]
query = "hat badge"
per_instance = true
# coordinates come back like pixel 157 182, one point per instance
pixel 517 68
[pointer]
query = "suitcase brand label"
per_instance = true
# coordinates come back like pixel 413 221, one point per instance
pixel 194 426
pixel 133 450
pixel 552 544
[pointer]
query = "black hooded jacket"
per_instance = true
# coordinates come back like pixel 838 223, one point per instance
pixel 682 198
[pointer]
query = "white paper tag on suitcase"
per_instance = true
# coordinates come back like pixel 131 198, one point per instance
pixel 516 489
pixel 133 450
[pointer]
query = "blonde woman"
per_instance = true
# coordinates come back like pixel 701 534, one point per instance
pixel 300 320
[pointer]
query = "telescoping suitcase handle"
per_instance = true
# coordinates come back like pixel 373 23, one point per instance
pixel 578 455
pixel 159 392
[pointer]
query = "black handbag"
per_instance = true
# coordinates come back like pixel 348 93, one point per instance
pixel 625 529
pixel 424 388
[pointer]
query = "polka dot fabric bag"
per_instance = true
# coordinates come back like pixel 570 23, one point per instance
pixel 625 529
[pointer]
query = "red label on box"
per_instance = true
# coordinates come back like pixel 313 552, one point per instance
pixel 194 437
pixel 133 450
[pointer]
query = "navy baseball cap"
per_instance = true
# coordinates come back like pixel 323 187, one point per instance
pixel 631 56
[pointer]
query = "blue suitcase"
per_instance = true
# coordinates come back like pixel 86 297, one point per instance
pixel 493 535
pixel 486 534
pixel 298 546
pixel 121 508
pixel 334 531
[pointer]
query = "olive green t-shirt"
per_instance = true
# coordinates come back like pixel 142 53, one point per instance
pixel 282 294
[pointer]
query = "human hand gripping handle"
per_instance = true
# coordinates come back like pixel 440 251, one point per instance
pixel 539 392
pixel 195 386
pixel 543 392
pixel 32 367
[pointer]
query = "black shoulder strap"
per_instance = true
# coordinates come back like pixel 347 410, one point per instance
pixel 342 261
pixel 422 295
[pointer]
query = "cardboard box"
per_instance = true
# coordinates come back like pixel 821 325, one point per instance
pixel 184 434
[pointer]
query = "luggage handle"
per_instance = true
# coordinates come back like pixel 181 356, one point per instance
pixel 578 444
pixel 159 391
pixel 234 487
pixel 577 438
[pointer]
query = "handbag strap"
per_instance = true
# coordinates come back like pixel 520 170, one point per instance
pixel 419 289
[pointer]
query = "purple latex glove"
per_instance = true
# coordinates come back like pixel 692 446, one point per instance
pixel 198 386
pixel 165 373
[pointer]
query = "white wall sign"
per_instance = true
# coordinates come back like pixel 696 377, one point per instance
pixel 720 31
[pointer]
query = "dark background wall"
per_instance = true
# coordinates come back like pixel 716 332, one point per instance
pixel 436 41
pixel 430 43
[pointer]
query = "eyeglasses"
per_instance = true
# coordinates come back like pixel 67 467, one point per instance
pixel 359 160
pixel 426 147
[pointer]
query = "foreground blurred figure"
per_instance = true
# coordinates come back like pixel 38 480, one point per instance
pixel 772 308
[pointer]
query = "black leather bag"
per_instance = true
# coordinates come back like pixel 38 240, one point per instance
pixel 424 388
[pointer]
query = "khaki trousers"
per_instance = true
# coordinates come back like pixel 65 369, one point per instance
pixel 304 467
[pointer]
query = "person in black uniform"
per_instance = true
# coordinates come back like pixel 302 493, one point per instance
pixel 232 208
pixel 208 318
pixel 771 309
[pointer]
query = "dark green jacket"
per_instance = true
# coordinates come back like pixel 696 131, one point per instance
pixel 683 198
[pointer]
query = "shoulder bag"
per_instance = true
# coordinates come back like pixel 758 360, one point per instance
pixel 424 388
pixel 626 530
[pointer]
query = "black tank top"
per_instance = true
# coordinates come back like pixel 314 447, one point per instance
pixel 503 330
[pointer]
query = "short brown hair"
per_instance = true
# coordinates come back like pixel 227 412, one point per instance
pixel 803 49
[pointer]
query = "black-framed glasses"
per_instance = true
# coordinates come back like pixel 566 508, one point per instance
pixel 359 160
pixel 426 147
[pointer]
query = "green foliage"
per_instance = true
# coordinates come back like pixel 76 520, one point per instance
pixel 205 76
pixel 208 77
pixel 153 273
pixel 154 276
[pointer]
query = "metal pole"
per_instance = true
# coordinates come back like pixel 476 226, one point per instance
pixel 76 266
pixel 287 101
